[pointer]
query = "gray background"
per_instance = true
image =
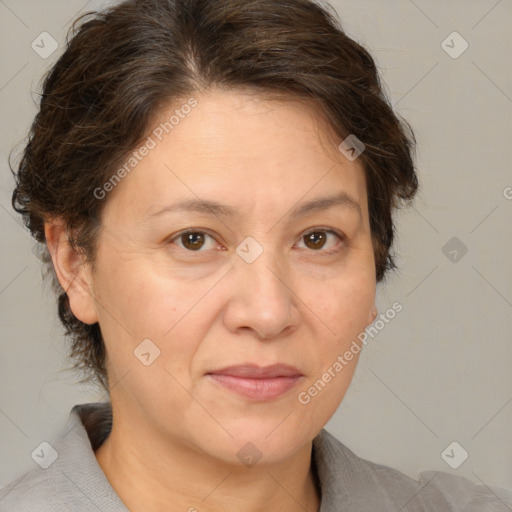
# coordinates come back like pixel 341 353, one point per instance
pixel 440 371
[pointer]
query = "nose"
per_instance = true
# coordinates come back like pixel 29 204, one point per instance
pixel 262 299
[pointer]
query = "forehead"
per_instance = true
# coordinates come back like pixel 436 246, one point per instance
pixel 240 148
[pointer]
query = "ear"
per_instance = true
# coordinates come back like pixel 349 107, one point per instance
pixel 72 271
pixel 372 315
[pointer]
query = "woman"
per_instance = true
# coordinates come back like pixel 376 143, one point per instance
pixel 215 182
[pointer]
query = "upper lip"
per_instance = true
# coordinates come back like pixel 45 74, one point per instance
pixel 252 371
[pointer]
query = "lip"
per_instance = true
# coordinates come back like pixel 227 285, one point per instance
pixel 253 371
pixel 255 382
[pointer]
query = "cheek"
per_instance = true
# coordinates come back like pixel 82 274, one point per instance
pixel 342 305
pixel 343 313
pixel 136 300
pixel 343 316
pixel 140 305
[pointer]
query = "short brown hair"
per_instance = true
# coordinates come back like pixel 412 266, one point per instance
pixel 123 64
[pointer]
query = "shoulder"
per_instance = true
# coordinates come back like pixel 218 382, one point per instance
pixel 364 485
pixel 70 479
pixel 31 492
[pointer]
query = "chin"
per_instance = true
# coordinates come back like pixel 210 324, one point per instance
pixel 265 441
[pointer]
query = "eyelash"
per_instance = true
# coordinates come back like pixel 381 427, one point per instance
pixel 341 237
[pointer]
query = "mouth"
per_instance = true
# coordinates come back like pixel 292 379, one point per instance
pixel 257 383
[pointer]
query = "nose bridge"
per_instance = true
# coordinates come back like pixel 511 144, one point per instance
pixel 265 300
pixel 263 268
pixel 267 277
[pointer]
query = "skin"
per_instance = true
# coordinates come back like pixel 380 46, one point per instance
pixel 176 433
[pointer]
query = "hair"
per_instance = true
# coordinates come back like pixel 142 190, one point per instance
pixel 123 65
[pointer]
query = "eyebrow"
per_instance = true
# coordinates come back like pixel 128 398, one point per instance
pixel 214 208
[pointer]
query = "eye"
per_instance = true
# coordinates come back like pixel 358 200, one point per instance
pixel 193 240
pixel 317 239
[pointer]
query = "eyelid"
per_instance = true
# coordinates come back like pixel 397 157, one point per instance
pixel 326 229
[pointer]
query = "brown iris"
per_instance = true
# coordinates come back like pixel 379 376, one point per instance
pixel 193 240
pixel 316 239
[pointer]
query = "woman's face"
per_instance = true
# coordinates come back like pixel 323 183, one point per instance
pixel 249 288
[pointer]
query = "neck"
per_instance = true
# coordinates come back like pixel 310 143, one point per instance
pixel 150 475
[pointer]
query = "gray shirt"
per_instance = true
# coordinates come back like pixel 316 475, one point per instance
pixel 74 481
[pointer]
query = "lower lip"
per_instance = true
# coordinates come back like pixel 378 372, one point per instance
pixel 256 389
